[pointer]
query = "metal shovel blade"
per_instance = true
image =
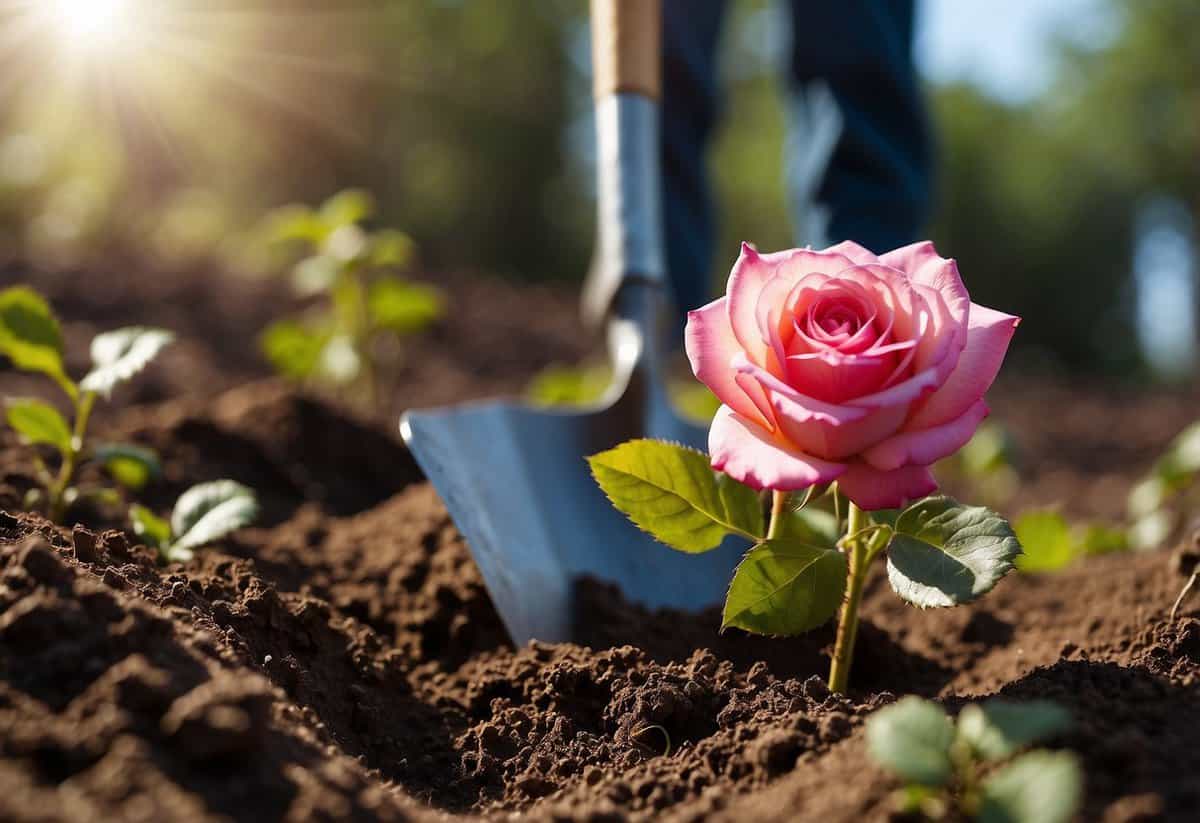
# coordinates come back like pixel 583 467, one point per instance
pixel 515 480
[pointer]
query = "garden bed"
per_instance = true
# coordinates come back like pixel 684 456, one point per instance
pixel 342 660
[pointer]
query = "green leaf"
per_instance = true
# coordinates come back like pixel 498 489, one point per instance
pixel 569 385
pixel 944 553
pixel 153 530
pixel 403 307
pixel 314 275
pixel 346 207
pixel 293 349
pixel 1148 496
pixel 131 466
pixel 999 728
pixel 1151 531
pixel 694 400
pixel 1101 539
pixel 119 355
pixel 989 450
pixel 295 222
pixel 811 525
pixel 39 423
pixel 210 511
pixel 1039 787
pixel 912 738
pixel 785 587
pixel 672 492
pixel 1046 541
pixel 391 248
pixel 1185 449
pixel 30 336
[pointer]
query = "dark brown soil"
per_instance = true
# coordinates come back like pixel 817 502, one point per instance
pixel 342 659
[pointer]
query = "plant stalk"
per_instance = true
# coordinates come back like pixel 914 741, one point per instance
pixel 66 472
pixel 857 559
pixel 779 502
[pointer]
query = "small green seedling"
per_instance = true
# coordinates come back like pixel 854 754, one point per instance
pixel 362 310
pixel 31 338
pixel 988 463
pixel 972 768
pixel 1051 543
pixel 585 385
pixel 1156 501
pixel 202 515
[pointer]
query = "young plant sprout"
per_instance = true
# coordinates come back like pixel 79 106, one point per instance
pixel 842 377
pixel 362 311
pixel 949 769
pixel 1170 487
pixel 203 514
pixel 31 338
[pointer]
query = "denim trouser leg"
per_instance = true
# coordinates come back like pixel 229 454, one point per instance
pixel 875 187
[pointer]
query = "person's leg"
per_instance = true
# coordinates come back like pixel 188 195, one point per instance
pixel 852 67
pixel 691 29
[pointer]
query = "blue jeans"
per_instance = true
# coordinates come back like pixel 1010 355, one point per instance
pixel 873 185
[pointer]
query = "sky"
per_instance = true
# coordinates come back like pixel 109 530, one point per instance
pixel 1003 46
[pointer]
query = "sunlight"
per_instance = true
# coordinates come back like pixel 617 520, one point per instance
pixel 92 23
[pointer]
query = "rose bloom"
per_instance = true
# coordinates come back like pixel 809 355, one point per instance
pixel 841 365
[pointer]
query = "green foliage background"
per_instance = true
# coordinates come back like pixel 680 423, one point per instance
pixel 467 119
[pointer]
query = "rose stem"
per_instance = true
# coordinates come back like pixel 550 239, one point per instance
pixel 778 504
pixel 847 630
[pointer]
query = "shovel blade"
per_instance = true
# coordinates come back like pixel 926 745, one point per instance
pixel 517 485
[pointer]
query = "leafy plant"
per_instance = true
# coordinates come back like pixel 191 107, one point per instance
pixel 951 766
pixel 31 338
pixel 1051 543
pixel 805 563
pixel 584 385
pixel 361 307
pixel 987 463
pixel 202 514
pixel 1155 502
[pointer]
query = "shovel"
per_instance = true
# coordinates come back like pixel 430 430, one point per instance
pixel 514 478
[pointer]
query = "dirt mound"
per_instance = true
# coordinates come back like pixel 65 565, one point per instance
pixel 342 660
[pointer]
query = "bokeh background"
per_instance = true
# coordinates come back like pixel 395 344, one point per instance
pixel 156 134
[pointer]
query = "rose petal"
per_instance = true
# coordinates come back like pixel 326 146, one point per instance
pixel 922 264
pixel 987 342
pixel 830 439
pixel 750 275
pixel 872 489
pixel 835 377
pixel 711 348
pixel 857 254
pixel 746 453
pixel 921 448
pixel 805 407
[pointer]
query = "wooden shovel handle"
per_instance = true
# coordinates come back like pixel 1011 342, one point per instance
pixel 627 47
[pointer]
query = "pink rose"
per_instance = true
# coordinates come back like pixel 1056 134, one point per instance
pixel 841 365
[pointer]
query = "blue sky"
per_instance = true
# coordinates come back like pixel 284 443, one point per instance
pixel 1003 46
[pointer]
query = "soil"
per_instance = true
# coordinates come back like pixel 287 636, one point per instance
pixel 341 659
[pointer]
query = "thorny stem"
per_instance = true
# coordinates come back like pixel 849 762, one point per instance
pixel 1187 587
pixel 66 472
pixel 779 501
pixel 857 559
